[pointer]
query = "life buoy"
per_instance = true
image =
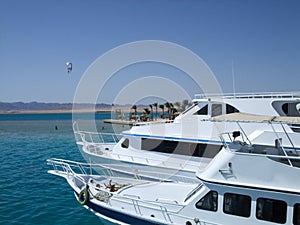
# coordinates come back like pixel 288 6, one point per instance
pixel 83 196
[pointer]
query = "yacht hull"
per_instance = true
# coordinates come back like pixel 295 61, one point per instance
pixel 116 217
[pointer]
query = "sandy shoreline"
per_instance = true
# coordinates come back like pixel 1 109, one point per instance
pixel 55 111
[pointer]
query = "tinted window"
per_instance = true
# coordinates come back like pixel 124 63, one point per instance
pixel 181 148
pixel 208 202
pixel 158 145
pixel 216 109
pixel 230 109
pixel 125 143
pixel 202 111
pixel 271 210
pixel 296 215
pixel 285 108
pixel 236 204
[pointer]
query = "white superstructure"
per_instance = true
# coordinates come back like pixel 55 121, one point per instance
pixel 245 184
pixel 174 149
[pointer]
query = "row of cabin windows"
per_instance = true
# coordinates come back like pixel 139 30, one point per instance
pixel 216 110
pixel 180 148
pixel 177 147
pixel 271 210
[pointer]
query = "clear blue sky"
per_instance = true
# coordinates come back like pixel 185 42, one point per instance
pixel 37 38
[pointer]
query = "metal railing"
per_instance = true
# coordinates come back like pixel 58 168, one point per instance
pixel 117 170
pixel 116 200
pixel 68 167
pixel 287 155
pixel 250 95
pixel 95 137
pixel 141 160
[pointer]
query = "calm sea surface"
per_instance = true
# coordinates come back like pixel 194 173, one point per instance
pixel 29 195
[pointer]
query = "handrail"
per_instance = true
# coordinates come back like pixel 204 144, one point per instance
pixel 108 170
pixel 65 167
pixel 270 155
pixel 96 137
pixel 93 137
pixel 249 95
pixel 138 204
pixel 84 168
pixel 95 150
pixel 285 155
pixel 151 175
pixel 146 160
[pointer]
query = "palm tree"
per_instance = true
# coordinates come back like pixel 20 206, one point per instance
pixel 147 112
pixel 155 105
pixel 151 107
pixel 134 114
pixel 177 105
pixel 171 110
pixel 185 103
pixel 162 107
pixel 169 106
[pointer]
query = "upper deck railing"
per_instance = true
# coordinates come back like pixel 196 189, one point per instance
pixel 261 95
pixel 287 155
pixel 95 137
pixel 143 159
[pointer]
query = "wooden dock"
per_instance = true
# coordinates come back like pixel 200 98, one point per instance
pixel 136 123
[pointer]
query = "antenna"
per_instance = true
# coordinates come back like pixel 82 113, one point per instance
pixel 233 79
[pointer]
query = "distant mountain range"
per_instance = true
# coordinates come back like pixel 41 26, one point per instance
pixel 22 106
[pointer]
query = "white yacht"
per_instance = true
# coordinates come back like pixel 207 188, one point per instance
pixel 174 149
pixel 244 184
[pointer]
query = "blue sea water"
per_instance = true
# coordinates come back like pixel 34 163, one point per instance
pixel 29 195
